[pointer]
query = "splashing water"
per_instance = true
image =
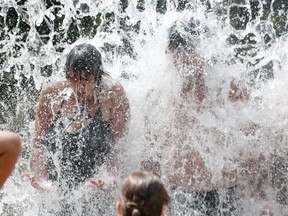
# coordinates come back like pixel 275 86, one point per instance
pixel 135 53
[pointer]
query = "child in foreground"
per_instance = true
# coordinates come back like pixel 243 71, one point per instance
pixel 142 194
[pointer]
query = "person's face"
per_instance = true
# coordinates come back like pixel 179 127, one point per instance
pixel 83 84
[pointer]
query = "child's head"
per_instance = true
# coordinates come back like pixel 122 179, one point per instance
pixel 142 194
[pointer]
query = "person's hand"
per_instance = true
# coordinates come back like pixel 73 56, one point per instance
pixel 100 184
pixel 41 185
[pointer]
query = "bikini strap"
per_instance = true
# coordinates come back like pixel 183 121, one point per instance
pixel 59 112
pixel 98 91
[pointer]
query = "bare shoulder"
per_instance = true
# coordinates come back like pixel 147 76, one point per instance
pixel 48 95
pixel 113 89
pixel 117 90
pixel 53 89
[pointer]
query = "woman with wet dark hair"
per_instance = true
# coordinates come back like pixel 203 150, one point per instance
pixel 78 121
pixel 142 194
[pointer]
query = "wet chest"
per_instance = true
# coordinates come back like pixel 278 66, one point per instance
pixel 75 118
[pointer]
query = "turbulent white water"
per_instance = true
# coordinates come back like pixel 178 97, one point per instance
pixel 221 126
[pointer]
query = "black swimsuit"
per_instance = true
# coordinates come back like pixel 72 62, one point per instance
pixel 74 158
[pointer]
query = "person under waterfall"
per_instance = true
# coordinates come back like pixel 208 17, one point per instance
pixel 181 146
pixel 78 123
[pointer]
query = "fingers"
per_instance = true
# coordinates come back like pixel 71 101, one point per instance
pixel 33 179
pixel 95 183
pixel 36 184
pixel 101 184
pixel 28 175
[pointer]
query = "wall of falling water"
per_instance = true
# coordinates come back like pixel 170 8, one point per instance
pixel 243 41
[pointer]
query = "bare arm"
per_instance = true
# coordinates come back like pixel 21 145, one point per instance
pixel 38 161
pixel 10 147
pixel 120 111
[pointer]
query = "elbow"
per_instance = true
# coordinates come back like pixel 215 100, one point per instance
pixel 11 143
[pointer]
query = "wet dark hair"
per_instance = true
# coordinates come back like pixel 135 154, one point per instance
pixel 142 194
pixel 85 57
pixel 184 36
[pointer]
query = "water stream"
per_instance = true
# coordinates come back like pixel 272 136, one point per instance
pixel 225 133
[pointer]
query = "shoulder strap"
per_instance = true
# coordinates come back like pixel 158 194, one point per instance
pixel 59 112
pixel 98 92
